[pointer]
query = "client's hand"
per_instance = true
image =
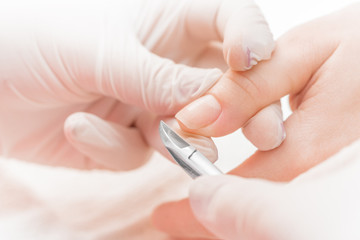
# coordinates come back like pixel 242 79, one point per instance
pixel 124 63
pixel 323 203
pixel 317 64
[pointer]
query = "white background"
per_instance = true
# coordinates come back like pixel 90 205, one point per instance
pixel 38 202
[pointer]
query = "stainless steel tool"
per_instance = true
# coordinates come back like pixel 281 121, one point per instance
pixel 187 156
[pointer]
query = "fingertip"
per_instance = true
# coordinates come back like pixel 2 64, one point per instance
pixel 150 131
pixel 242 57
pixel 199 113
pixel 74 125
pixel 226 107
pixel 203 144
pixel 202 191
pixel 237 58
pixel 159 218
pixel 105 143
pixel 266 129
pixel 88 130
pixel 248 38
pixel 177 219
pixel 260 44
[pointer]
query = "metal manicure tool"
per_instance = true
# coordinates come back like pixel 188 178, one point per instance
pixel 191 160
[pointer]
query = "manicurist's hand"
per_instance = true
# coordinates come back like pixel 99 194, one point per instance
pixel 318 65
pixel 84 83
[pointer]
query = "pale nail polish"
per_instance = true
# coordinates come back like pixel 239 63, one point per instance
pixel 228 56
pixel 281 135
pixel 248 54
pixel 200 113
pixel 253 59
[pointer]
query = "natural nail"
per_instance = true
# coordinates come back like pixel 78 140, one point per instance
pixel 200 113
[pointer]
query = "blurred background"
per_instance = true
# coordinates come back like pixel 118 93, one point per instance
pixel 39 202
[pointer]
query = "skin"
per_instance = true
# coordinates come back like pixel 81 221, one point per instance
pixel 80 91
pixel 268 210
pixel 317 64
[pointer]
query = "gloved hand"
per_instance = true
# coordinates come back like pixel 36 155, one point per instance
pixel 109 69
pixel 316 63
pixel 323 203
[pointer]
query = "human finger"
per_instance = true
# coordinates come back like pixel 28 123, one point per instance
pixel 148 124
pixel 311 135
pixel 240 25
pixel 107 144
pixel 217 208
pixel 266 129
pixel 149 81
pixel 179 211
pixel 237 97
pixel 235 208
pixel 224 203
pixel 210 57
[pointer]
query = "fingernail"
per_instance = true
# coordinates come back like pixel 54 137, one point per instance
pixel 281 134
pixel 227 57
pixel 204 145
pixel 75 124
pixel 253 59
pixel 84 130
pixel 200 113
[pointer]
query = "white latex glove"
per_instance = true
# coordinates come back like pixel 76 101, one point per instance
pixel 323 203
pixel 124 63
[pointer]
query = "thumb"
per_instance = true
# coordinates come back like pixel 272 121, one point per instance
pixel 240 25
pixel 235 208
pixel 138 77
pixel 105 144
